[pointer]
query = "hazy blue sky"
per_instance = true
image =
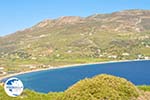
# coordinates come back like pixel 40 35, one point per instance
pixel 20 14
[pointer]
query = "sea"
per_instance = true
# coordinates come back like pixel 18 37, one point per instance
pixel 58 80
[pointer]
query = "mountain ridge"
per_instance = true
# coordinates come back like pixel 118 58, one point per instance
pixel 128 18
pixel 57 21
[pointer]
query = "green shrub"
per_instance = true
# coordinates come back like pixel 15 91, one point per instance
pixel 101 87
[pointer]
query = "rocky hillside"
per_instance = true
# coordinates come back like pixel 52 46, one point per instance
pixel 73 39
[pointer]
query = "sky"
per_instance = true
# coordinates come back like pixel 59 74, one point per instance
pixel 20 14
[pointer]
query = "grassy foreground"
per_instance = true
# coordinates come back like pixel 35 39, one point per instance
pixel 101 87
pixel 144 87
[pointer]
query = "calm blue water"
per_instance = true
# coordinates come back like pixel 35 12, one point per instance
pixel 137 72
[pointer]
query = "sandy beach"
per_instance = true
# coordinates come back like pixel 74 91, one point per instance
pixel 66 66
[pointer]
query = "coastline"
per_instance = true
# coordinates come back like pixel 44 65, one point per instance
pixel 68 66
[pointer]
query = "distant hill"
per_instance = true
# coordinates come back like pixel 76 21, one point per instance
pixel 73 39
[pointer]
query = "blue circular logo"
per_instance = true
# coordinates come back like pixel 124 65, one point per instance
pixel 13 87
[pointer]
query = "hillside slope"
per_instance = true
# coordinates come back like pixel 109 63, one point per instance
pixel 120 35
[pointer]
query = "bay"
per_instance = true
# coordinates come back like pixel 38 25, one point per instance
pixel 56 80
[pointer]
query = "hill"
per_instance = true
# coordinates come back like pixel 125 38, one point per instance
pixel 122 35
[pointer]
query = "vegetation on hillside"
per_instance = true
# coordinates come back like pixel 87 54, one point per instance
pixel 72 40
pixel 102 87
pixel 144 87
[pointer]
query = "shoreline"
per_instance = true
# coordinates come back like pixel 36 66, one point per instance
pixel 69 66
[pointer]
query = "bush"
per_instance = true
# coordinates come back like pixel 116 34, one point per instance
pixel 101 87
